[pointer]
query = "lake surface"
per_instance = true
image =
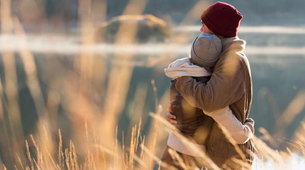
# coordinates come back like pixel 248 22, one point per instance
pixel 276 55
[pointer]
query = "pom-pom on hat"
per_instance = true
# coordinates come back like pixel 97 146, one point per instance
pixel 222 19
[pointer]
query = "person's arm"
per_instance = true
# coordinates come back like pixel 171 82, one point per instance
pixel 241 133
pixel 225 87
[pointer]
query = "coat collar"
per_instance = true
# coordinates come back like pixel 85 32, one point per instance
pixel 233 43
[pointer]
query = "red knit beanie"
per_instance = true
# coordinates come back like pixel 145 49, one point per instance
pixel 222 19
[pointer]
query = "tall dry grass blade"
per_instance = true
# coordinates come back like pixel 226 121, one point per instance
pixel 67 158
pixel 299 134
pixel 127 32
pixel 29 155
pixel 300 147
pixel 1 163
pixel 99 12
pixel 135 7
pixel 71 156
pixel 142 164
pixel 142 151
pixel 116 146
pixel 289 151
pixel 20 162
pixel 267 137
pixel 104 160
pixel 265 151
pixel 123 149
pixel 60 152
pixel 100 157
pixel 37 149
pixel 74 156
pixel 87 134
pixel 155 158
pixel 191 18
pixel 36 164
pixel 137 111
pixel 79 100
pixel 116 95
pixel 53 102
pixel 272 101
pixel 87 38
pixel 241 163
pixel 1 107
pixel 96 143
pixel 303 151
pixel 35 90
pixel 30 69
pixel 155 95
pixel 295 107
pixel 107 151
pixel 49 156
pixel 46 145
pixel 153 137
pixel 11 83
pixel 110 152
pixel 177 159
pixel 193 15
pixel 132 148
pixel 138 104
pixel 138 135
pixel 5 146
pixel 93 162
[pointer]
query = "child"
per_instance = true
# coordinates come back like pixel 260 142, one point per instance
pixel 192 122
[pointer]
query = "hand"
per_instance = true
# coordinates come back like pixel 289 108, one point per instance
pixel 250 120
pixel 171 118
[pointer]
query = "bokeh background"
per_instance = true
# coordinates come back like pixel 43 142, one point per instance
pixel 94 70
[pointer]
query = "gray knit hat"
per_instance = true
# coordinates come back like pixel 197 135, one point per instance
pixel 205 50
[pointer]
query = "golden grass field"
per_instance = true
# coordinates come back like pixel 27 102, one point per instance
pixel 91 141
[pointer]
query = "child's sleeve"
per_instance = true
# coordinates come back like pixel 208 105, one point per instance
pixel 241 133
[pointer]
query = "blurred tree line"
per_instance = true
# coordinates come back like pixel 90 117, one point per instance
pixel 177 9
pixel 256 12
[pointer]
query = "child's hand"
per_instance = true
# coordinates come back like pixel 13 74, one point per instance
pixel 171 118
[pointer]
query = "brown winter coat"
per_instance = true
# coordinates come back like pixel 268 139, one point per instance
pixel 230 85
pixel 191 121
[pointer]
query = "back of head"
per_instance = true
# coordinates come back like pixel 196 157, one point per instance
pixel 205 50
pixel 222 18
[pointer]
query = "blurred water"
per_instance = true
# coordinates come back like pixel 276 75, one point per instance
pixel 276 54
pixel 61 45
pixel 293 162
pixel 264 40
pixel 276 58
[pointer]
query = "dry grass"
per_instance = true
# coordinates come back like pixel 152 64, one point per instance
pixel 93 140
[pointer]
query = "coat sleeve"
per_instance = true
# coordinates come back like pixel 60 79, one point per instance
pixel 241 133
pixel 226 86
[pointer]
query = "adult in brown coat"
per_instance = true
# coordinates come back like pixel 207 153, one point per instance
pixel 230 85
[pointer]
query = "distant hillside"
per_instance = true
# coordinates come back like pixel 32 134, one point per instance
pixel 253 11
pixel 256 12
